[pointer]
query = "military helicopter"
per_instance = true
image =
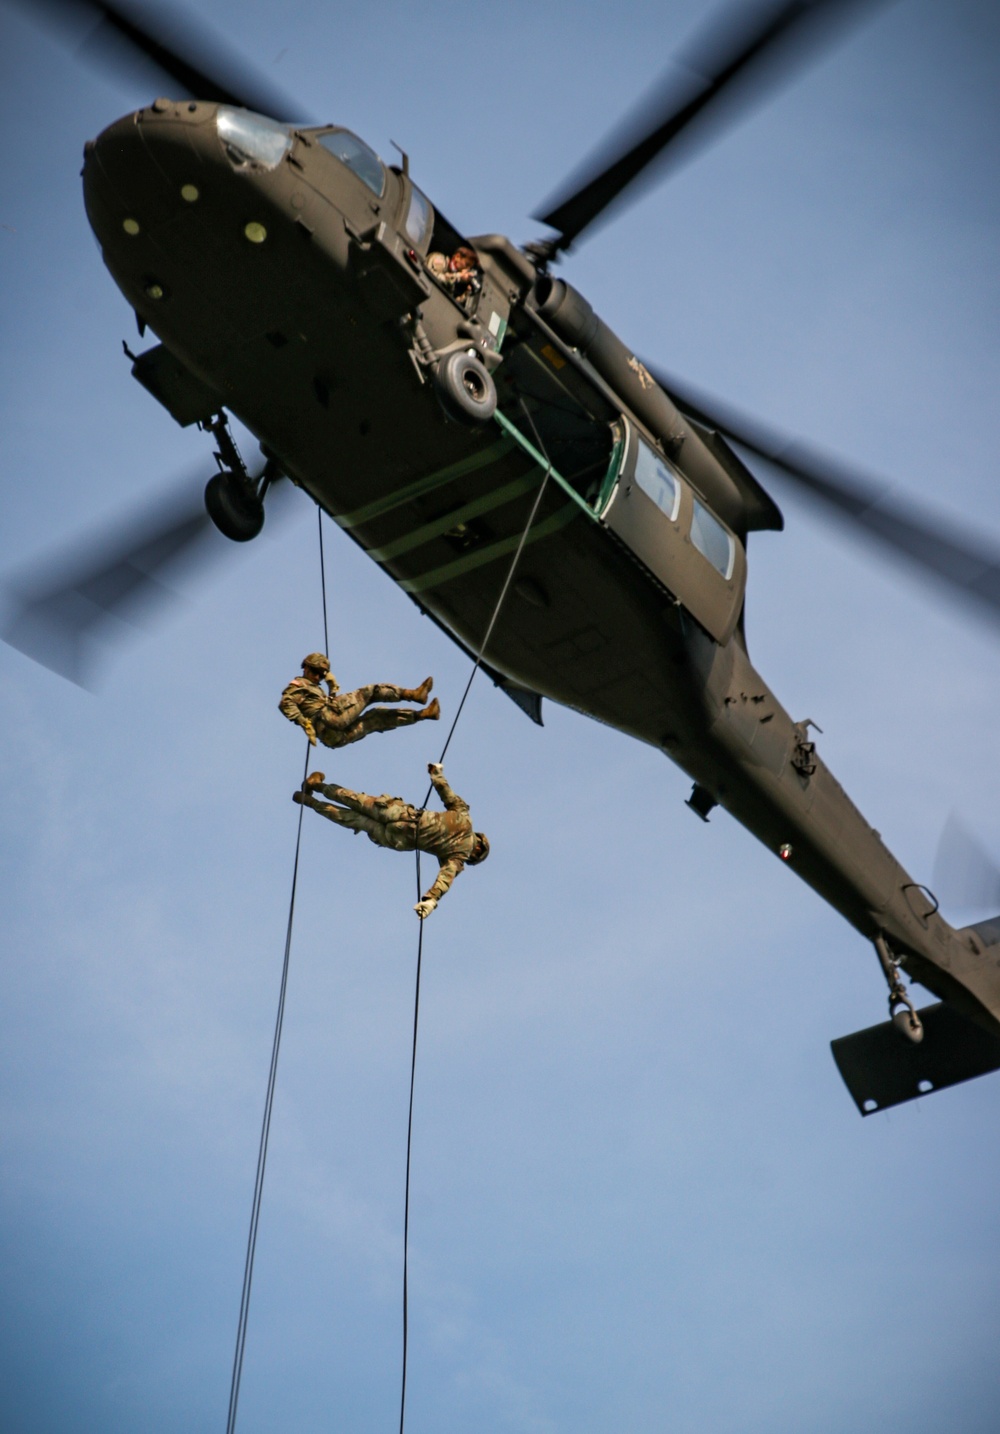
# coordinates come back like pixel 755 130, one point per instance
pixel 287 273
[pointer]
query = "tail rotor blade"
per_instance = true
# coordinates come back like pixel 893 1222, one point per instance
pixel 965 875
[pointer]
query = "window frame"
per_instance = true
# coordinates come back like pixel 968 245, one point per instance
pixel 646 450
pixel 323 135
pixel 700 508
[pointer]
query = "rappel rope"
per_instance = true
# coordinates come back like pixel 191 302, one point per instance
pixel 241 1331
pixel 322 579
pixel 420 938
pixel 265 1130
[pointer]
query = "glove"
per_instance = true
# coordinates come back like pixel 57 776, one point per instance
pixel 424 907
pixel 435 769
pixel 310 732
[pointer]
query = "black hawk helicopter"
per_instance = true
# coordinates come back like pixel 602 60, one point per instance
pixel 299 283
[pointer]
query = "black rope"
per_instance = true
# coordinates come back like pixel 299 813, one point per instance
pixel 506 586
pixel 420 939
pixel 409 1148
pixel 265 1131
pixel 322 576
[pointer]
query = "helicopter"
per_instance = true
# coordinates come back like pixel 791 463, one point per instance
pixel 286 271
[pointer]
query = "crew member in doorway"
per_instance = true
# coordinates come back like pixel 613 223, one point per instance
pixel 339 718
pixel 389 821
pixel 437 266
pixel 461 275
pixel 464 277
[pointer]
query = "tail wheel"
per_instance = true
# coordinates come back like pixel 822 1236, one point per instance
pixel 237 513
pixel 465 389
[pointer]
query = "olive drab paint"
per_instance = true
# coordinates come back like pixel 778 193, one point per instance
pixel 285 273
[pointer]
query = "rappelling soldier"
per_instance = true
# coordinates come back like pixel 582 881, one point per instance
pixel 338 718
pixel 389 821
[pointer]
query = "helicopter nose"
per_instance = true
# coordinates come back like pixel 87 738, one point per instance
pixel 139 176
pixel 140 169
pixel 176 194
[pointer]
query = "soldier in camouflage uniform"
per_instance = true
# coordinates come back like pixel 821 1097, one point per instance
pixel 389 821
pixel 339 718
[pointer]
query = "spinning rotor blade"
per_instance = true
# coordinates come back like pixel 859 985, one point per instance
pixel 90 591
pixel 197 63
pixel 969 566
pixel 964 872
pixel 744 53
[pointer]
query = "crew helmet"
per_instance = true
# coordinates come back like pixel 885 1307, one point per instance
pixel 482 846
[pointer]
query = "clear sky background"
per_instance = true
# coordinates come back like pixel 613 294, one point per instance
pixel 642 1199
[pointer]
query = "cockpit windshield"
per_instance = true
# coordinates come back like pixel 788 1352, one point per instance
pixel 252 139
pixel 353 152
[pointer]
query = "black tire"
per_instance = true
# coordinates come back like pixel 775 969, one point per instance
pixel 465 389
pixel 237 515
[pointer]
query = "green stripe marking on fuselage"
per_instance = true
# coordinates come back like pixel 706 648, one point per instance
pixel 480 556
pixel 427 484
pixel 484 504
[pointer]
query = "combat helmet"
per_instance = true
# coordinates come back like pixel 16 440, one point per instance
pixel 484 849
pixel 318 660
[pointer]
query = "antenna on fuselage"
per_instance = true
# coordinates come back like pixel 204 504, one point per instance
pixel 403 156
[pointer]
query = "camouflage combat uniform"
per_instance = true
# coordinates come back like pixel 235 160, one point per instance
pixel 391 822
pixel 336 717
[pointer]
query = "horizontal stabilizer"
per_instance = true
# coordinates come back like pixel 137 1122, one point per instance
pixel 529 702
pixel 881 1067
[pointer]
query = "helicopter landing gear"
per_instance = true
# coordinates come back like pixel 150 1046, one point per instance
pixel 465 389
pixel 902 1011
pixel 238 514
pixel 234 500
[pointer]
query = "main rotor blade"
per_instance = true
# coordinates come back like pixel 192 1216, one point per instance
pixel 969 566
pixel 98 587
pixel 745 52
pixel 198 63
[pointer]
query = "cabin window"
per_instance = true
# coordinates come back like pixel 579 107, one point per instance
pixel 353 152
pixel 418 216
pixel 656 480
pixel 712 541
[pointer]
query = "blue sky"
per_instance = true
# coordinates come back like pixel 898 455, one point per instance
pixel 641 1197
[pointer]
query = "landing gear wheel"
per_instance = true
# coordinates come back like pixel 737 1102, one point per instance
pixel 238 515
pixel 465 389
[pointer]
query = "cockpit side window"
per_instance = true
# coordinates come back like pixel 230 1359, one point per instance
pixel 361 160
pixel 418 217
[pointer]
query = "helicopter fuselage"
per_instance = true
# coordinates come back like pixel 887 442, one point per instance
pixel 285 273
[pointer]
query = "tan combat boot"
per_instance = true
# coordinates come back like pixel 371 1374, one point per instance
pixel 421 693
